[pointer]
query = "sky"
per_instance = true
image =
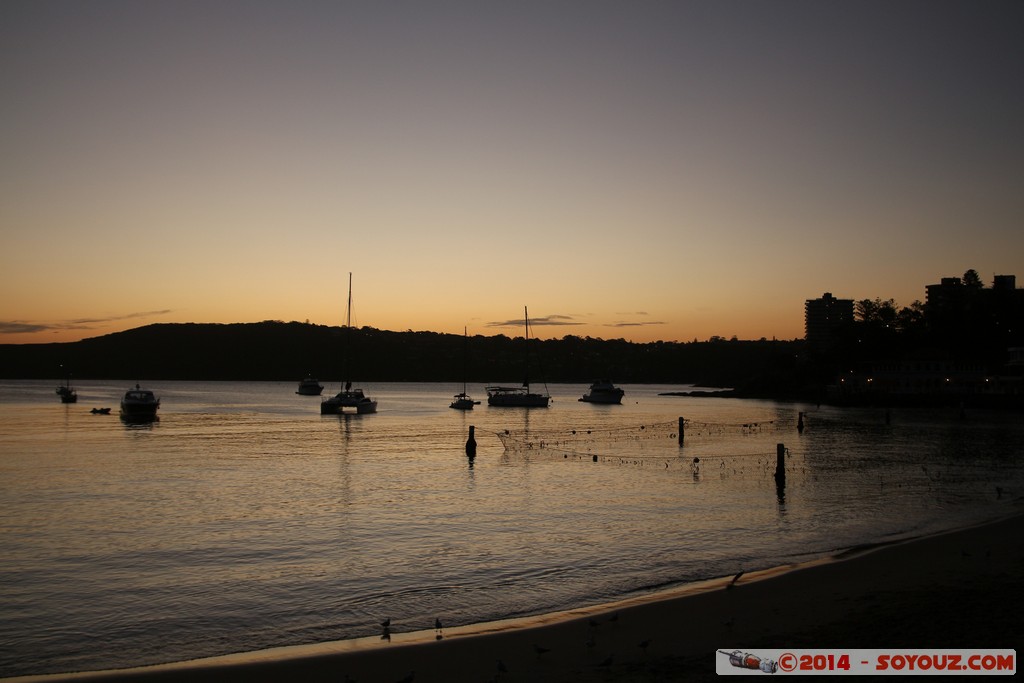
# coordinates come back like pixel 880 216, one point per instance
pixel 637 169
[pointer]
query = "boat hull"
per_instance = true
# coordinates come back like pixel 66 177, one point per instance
pixel 348 402
pixel 139 411
pixel 608 398
pixel 463 402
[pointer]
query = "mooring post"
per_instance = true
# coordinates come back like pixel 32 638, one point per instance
pixel 471 443
pixel 681 421
pixel 780 466
pixel 800 423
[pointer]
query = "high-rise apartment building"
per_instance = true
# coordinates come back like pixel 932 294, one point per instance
pixel 825 319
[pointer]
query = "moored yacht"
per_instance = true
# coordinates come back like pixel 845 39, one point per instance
pixel 518 397
pixel 139 403
pixel 67 393
pixel 603 391
pixel 309 387
pixel 348 397
pixel 463 402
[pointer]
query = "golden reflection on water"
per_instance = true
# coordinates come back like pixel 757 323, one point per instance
pixel 245 519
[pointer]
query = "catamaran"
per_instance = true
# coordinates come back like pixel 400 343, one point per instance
pixel 519 397
pixel 348 397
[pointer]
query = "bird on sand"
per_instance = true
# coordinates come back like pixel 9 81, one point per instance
pixel 386 622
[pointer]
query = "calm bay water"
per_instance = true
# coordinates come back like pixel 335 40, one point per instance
pixel 243 519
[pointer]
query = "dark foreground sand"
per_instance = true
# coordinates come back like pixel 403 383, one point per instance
pixel 958 590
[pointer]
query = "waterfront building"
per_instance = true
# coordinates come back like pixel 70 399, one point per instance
pixel 826 320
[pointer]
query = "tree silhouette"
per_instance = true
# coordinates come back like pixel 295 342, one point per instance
pixel 971 279
pixel 876 313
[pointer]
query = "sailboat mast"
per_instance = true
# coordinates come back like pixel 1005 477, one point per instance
pixel 348 315
pixel 526 370
pixel 465 350
pixel 348 337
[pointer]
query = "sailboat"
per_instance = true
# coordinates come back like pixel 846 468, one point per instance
pixel 348 397
pixel 463 401
pixel 66 392
pixel 518 397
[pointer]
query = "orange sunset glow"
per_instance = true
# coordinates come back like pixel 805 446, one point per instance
pixel 643 170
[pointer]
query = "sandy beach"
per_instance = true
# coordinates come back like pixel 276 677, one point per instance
pixel 962 589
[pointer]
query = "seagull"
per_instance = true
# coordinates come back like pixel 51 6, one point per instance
pixel 437 624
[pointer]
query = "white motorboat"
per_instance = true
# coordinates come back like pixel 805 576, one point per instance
pixel 309 387
pixel 139 403
pixel 603 391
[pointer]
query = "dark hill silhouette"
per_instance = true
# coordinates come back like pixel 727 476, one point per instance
pixel 288 351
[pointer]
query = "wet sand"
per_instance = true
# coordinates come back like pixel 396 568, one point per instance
pixel 963 589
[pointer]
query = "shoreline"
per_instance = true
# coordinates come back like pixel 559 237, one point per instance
pixel 955 589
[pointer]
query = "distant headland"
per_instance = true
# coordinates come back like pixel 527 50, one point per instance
pixel 286 351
